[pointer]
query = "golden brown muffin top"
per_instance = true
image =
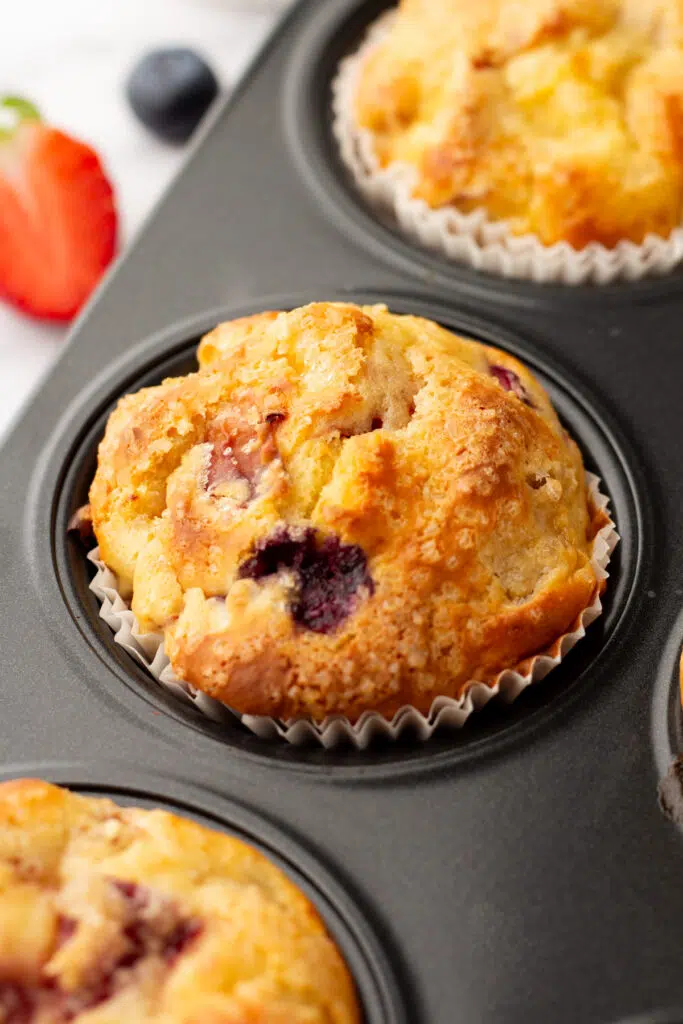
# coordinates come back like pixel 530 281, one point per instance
pixel 112 914
pixel 564 117
pixel 343 510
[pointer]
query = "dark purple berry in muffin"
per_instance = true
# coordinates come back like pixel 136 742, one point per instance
pixel 152 926
pixel 134 894
pixel 285 548
pixel 16 1004
pixel 329 574
pixel 66 927
pixel 509 381
pixel 180 939
pixel 81 523
pixel 671 791
pixel 170 90
pixel 329 583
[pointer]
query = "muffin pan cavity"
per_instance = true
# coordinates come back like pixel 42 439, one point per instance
pixel 172 354
pixel 380 994
pixel 658 1017
pixel 336 30
pixel 667 712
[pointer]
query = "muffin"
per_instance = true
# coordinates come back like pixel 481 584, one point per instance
pixel 560 119
pixel 343 511
pixel 111 914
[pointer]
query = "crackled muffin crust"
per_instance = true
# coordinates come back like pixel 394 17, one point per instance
pixel 344 510
pixel 111 914
pixel 563 117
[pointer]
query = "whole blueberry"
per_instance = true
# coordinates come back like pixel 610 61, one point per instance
pixel 170 90
pixel 329 574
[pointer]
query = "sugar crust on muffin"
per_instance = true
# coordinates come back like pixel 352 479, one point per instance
pixel 111 914
pixel 345 510
pixel 563 118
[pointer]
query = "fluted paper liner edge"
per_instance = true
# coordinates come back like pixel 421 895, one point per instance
pixel 148 650
pixel 473 238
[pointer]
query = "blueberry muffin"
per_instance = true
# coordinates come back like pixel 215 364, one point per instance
pixel 563 118
pixel 111 914
pixel 345 510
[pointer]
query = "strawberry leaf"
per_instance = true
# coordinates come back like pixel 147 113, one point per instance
pixel 14 110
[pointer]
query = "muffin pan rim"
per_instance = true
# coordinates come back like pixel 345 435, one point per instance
pixel 172 344
pixel 670 1016
pixel 312 149
pixel 379 992
pixel 667 713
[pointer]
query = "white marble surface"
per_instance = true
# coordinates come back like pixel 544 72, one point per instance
pixel 70 57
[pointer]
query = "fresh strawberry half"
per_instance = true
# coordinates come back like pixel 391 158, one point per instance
pixel 58 220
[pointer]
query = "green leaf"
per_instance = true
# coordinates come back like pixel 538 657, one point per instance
pixel 14 110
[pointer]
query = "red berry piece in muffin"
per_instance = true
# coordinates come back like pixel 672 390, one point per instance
pixel 111 914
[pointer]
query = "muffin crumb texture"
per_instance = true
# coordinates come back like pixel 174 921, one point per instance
pixel 344 510
pixel 111 914
pixel 562 117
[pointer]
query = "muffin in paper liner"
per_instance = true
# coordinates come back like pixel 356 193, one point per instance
pixel 148 649
pixel 473 238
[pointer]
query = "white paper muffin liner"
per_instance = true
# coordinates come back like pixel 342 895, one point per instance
pixel 473 238
pixel 148 649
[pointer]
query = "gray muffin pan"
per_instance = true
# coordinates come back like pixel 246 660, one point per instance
pixel 519 872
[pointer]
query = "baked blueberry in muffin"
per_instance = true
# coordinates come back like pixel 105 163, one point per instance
pixel 563 118
pixel 112 914
pixel 345 510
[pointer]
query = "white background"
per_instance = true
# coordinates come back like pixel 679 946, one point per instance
pixel 71 57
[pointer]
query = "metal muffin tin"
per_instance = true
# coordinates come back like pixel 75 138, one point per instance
pixel 518 872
